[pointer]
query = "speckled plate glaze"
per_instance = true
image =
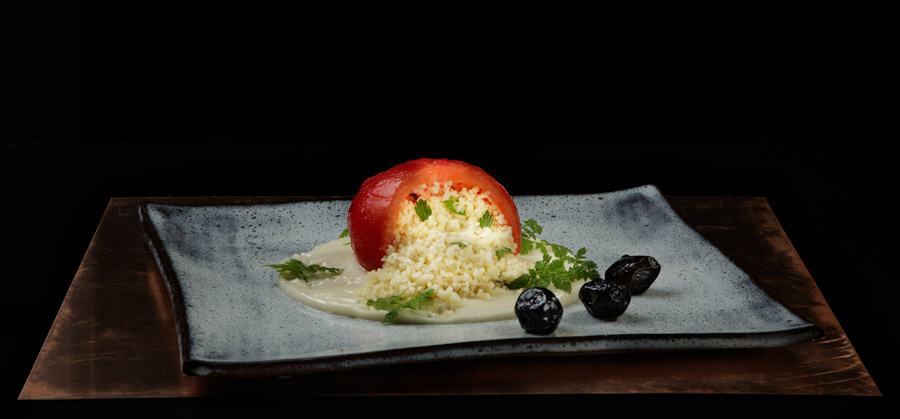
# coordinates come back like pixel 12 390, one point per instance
pixel 232 319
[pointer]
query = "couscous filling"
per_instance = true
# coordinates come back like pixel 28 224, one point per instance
pixel 462 249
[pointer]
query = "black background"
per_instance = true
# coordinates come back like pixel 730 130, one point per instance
pixel 113 100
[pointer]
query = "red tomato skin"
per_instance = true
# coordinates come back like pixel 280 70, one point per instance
pixel 373 212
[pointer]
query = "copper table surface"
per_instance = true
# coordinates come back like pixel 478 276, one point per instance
pixel 114 337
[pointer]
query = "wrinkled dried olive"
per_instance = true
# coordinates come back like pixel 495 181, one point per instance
pixel 604 300
pixel 635 272
pixel 538 311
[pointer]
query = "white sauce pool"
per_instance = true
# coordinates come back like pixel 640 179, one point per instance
pixel 336 294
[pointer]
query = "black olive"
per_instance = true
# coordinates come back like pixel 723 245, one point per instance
pixel 539 311
pixel 635 272
pixel 604 300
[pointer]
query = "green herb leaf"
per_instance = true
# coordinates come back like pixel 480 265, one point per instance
pixel 531 229
pixel 450 206
pixel 486 220
pixel 460 244
pixel 503 251
pixel 522 281
pixel 560 268
pixel 296 269
pixel 395 303
pixel 344 233
pixel 422 209
pixel 526 247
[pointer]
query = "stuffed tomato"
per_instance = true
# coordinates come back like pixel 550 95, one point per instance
pixel 437 225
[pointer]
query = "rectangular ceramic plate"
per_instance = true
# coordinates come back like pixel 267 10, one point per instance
pixel 233 320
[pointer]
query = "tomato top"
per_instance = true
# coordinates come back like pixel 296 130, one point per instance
pixel 375 208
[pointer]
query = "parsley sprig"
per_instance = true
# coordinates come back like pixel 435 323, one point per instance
pixel 296 269
pixel 486 219
pixel 559 266
pixel 503 251
pixel 422 209
pixel 395 303
pixel 450 204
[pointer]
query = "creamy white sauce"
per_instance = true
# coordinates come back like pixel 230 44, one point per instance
pixel 336 294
